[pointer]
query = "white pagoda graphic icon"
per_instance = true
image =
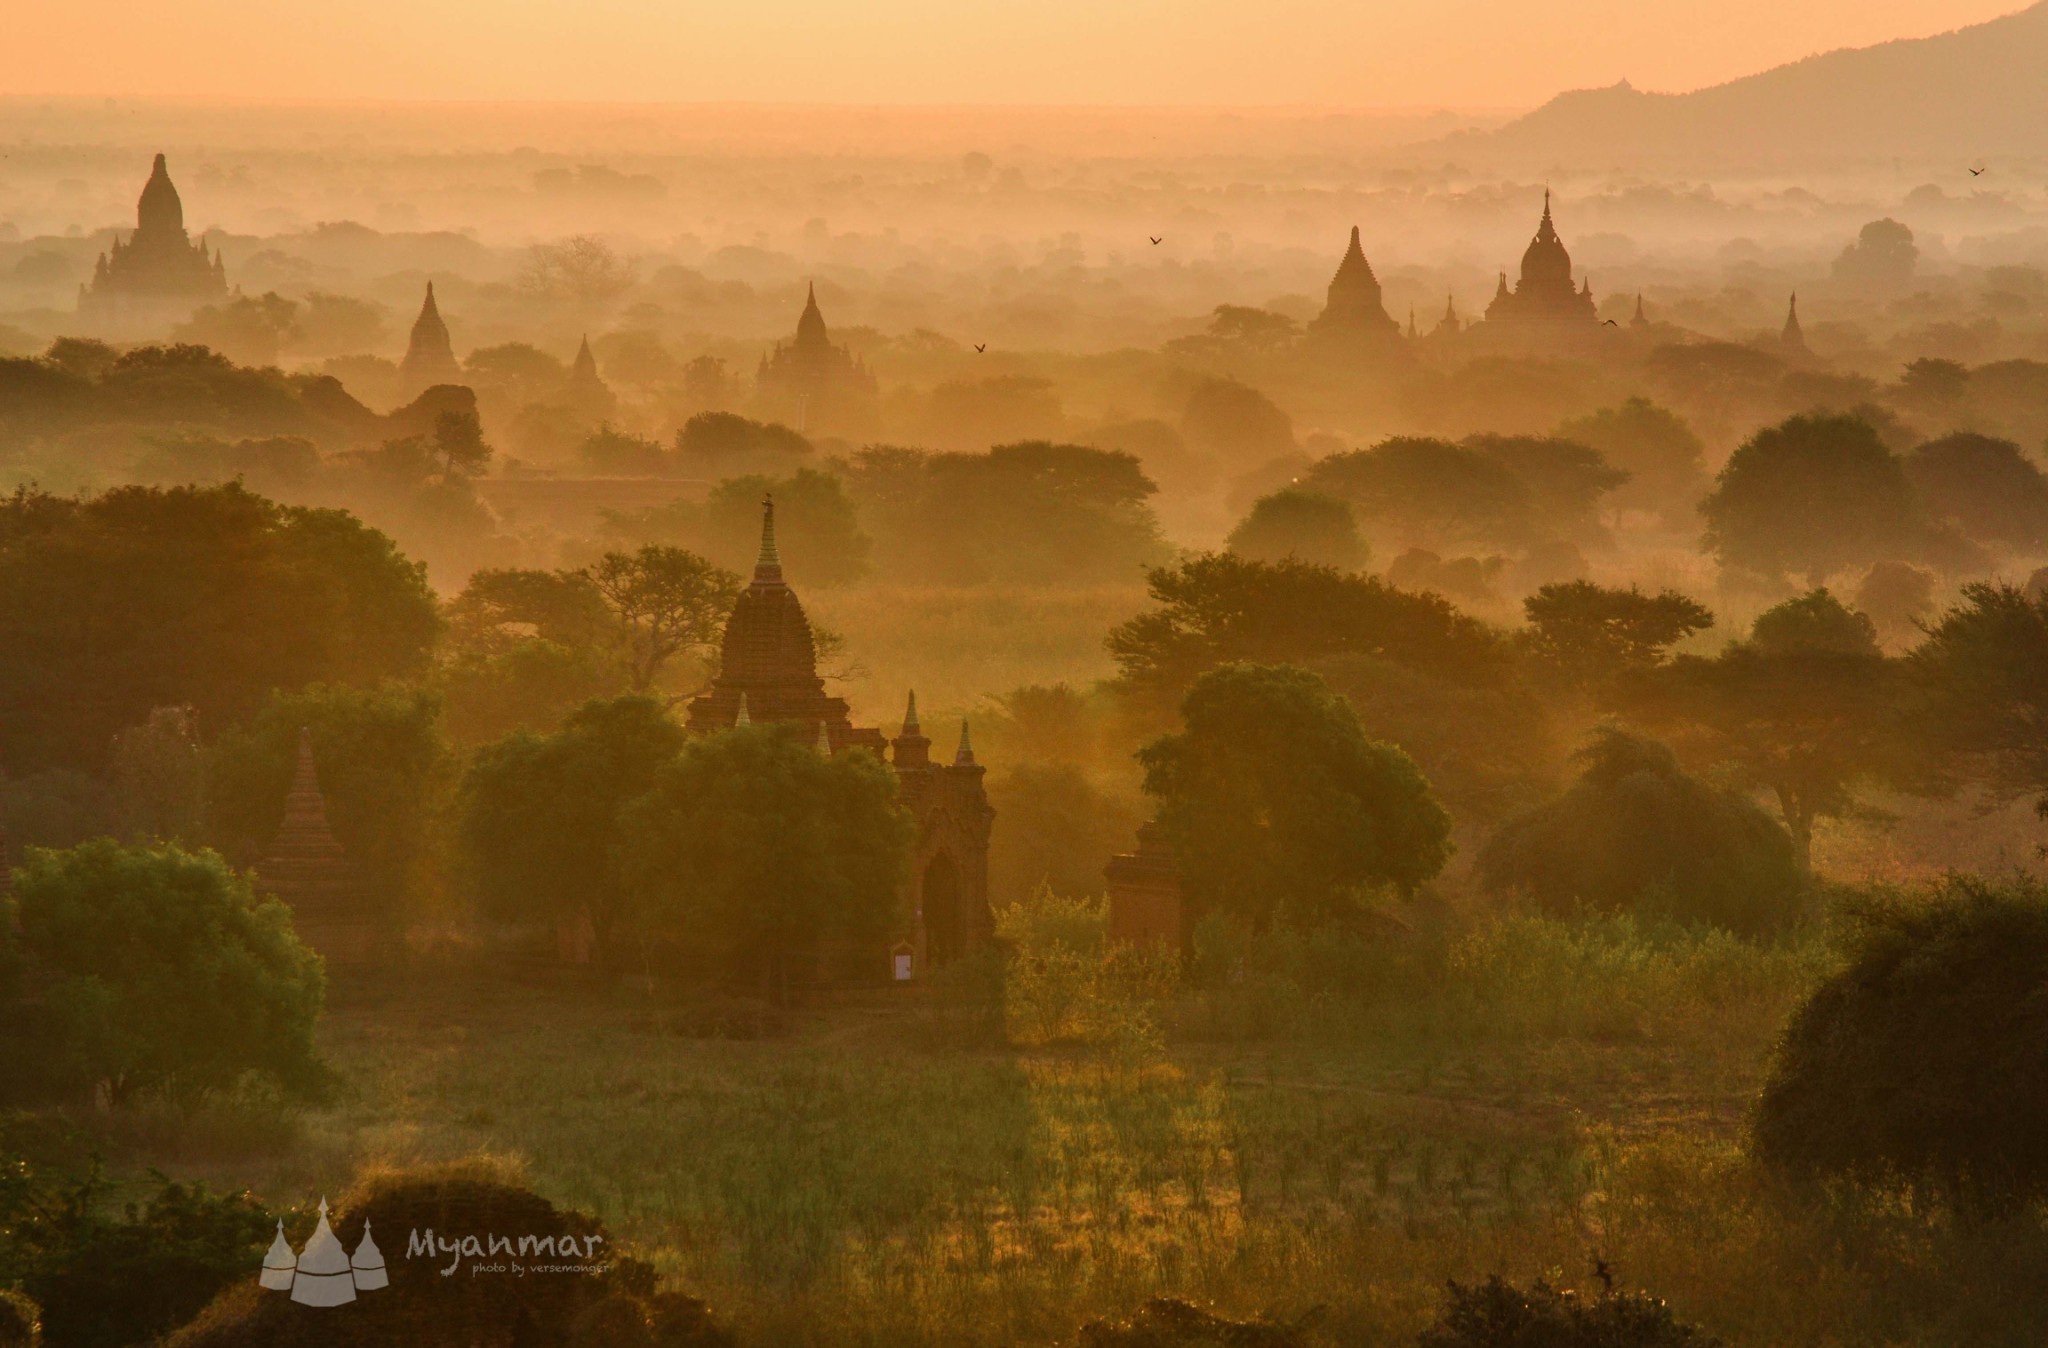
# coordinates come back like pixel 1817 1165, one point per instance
pixel 323 1274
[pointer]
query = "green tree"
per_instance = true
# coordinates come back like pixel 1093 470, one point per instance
pixel 1813 494
pixel 1664 460
pixel 1433 494
pixel 540 817
pixel 385 770
pixel 1216 608
pixel 1924 1063
pixel 1306 525
pixel 1278 805
pixel 1986 487
pixel 665 603
pixel 756 855
pixel 211 597
pixel 171 974
pixel 1636 832
pixel 1059 830
pixel 1587 636
pixel 1981 687
pixel 1806 709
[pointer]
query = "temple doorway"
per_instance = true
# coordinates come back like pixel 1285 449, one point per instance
pixel 943 938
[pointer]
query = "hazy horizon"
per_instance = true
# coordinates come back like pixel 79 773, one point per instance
pixel 1379 57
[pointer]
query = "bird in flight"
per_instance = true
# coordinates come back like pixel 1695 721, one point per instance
pixel 981 346
pixel 1155 239
pixel 1610 323
pixel 1977 169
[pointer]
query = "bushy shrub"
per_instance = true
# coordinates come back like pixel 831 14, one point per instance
pixel 1925 1062
pixel 169 972
pixel 1636 832
pixel 1167 1322
pixel 1498 1314
pixel 21 1322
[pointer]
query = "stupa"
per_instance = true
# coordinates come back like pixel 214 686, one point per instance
pixel 1544 294
pixel 813 384
pixel 429 354
pixel 310 871
pixel 322 1277
pixel 1354 319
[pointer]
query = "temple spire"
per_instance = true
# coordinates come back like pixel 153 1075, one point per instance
pixel 742 718
pixel 768 566
pixel 810 325
pixel 1792 337
pixel 964 757
pixel 910 726
pixel 824 740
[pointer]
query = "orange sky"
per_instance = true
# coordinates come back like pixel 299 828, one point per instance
pixel 1355 54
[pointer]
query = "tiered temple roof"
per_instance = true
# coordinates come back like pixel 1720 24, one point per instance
pixel 309 870
pixel 1544 293
pixel 429 354
pixel 159 266
pixel 1355 313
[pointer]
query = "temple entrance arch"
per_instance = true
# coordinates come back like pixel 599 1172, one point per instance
pixel 945 936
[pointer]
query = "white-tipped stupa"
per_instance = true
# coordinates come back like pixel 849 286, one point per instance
pixel 742 718
pixel 368 1263
pixel 323 1277
pixel 278 1263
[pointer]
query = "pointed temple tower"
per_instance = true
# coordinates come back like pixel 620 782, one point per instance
pixel 813 385
pixel 586 392
pixel 307 868
pixel 1792 338
pixel 1640 320
pixel 159 272
pixel 1544 294
pixel 768 671
pixel 1354 318
pixel 429 355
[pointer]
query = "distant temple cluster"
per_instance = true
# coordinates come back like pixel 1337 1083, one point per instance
pixel 159 270
pixel 811 383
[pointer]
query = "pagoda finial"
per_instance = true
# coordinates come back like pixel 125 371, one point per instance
pixel 824 740
pixel 964 758
pixel 768 566
pixel 910 715
pixel 742 718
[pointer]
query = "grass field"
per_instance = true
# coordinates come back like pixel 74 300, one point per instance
pixel 1558 1092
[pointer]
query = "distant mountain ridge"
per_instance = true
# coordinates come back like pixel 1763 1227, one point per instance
pixel 1976 91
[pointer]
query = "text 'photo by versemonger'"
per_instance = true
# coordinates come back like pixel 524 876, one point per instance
pixel 1068 676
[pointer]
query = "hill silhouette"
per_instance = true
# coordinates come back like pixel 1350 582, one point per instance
pixel 1972 92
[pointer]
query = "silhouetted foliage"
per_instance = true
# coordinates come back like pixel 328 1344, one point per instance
pixel 539 827
pixel 211 598
pixel 1636 832
pixel 1924 1063
pixel 1235 424
pixel 1305 525
pixel 1985 486
pixel 1565 479
pixel 1664 460
pixel 110 1281
pixel 1165 1322
pixel 818 532
pixel 1883 255
pixel 1587 636
pixel 1034 512
pixel 1498 1314
pixel 1805 709
pixel 1983 675
pixel 1896 596
pixel 171 973
pixel 1280 808
pixel 1431 493
pixel 1813 494
pixel 725 444
pixel 385 774
pixel 754 854
pixel 1217 608
pixel 1058 830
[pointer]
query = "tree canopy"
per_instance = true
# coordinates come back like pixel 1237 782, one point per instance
pixel 1305 525
pixel 757 856
pixel 538 820
pixel 170 973
pixel 1636 832
pixel 1218 608
pixel 1280 808
pixel 1985 486
pixel 204 597
pixel 1813 494
pixel 1587 636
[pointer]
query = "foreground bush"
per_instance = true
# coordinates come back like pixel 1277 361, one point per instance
pixel 1501 1315
pixel 1637 832
pixel 425 1309
pixel 170 973
pixel 21 1325
pixel 1166 1322
pixel 1925 1062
